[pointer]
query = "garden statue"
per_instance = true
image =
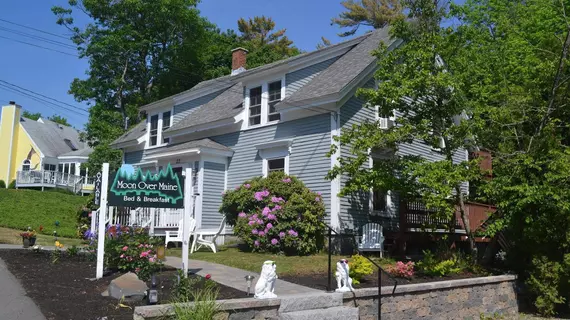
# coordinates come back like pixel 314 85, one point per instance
pixel 266 284
pixel 343 280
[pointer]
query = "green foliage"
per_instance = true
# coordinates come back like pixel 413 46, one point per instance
pixel 72 251
pixel 132 249
pixel 2 184
pixel 432 266
pixel 59 119
pixel 359 267
pixel 186 289
pixel 429 108
pixel 104 153
pixel 12 184
pixel 31 116
pixel 276 214
pixel 22 208
pixel 372 13
pixel 544 282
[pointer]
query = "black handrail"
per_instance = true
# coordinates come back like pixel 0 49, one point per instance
pixel 380 269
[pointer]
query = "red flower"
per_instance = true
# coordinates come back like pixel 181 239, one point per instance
pixel 208 276
pixel 41 228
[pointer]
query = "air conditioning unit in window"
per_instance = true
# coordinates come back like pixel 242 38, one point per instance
pixel 386 123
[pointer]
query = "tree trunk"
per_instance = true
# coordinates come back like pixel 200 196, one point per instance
pixel 465 220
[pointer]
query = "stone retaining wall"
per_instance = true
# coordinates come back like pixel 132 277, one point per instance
pixel 454 299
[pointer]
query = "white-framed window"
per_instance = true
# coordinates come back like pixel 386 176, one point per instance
pixel 255 104
pixel 261 100
pixel 166 121
pixel 49 167
pixel 153 133
pixel 380 200
pixel 275 158
pixel 274 98
pixel 26 165
pixel 158 123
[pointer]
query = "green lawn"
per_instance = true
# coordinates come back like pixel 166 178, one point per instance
pixel 11 236
pixel 288 265
pixel 22 208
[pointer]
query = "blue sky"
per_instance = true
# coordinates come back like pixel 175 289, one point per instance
pixel 50 73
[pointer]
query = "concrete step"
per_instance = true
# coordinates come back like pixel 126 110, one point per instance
pixel 336 313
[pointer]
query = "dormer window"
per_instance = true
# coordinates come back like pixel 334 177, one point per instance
pixel 153 130
pixel 70 144
pixel 255 106
pixel 261 101
pixel 274 98
pixel 157 124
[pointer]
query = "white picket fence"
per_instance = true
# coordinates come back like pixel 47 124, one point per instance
pixel 156 219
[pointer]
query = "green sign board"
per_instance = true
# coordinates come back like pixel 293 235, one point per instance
pixel 162 190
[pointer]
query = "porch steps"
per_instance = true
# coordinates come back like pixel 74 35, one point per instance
pixel 317 306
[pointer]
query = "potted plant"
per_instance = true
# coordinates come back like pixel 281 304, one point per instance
pixel 27 238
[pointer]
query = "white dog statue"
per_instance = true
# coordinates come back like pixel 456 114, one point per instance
pixel 343 281
pixel 266 284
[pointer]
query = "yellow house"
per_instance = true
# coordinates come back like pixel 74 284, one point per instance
pixel 41 153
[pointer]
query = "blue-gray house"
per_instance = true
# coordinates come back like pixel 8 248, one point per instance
pixel 281 116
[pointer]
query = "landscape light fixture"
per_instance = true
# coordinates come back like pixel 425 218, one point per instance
pixel 55 235
pixel 248 280
pixel 152 293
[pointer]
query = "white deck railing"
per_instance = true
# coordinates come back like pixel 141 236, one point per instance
pixel 152 218
pixel 52 178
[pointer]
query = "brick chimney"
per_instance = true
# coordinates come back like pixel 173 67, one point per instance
pixel 239 58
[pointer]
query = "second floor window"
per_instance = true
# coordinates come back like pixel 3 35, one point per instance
pixel 165 125
pixel 274 98
pixel 255 106
pixel 153 130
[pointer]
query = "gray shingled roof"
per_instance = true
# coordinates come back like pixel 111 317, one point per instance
pixel 332 80
pixel 50 136
pixel 343 71
pixel 85 152
pixel 136 132
pixel 224 106
pixel 202 143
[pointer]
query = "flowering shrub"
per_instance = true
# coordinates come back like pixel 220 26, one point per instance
pixel 359 267
pixel 404 270
pixel 276 214
pixel 131 249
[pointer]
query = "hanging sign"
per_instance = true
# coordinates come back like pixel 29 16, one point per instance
pixel 162 190
pixel 97 190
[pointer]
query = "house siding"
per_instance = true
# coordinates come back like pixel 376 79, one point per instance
pixel 214 176
pixel 297 79
pixel 134 157
pixel 186 108
pixel 307 160
pixel 354 208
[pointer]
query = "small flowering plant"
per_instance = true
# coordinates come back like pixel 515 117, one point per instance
pixel 28 234
pixel 403 270
pixel 131 249
pixel 277 213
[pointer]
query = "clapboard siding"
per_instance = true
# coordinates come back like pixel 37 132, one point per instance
pixel 295 80
pixel 307 161
pixel 419 148
pixel 214 176
pixel 354 208
pixel 186 108
pixel 134 156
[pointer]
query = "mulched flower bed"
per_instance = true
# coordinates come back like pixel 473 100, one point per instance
pixel 63 290
pixel 319 281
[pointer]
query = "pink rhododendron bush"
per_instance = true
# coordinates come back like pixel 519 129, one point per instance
pixel 276 214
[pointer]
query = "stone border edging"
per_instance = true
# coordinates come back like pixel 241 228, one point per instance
pixel 161 310
pixel 427 286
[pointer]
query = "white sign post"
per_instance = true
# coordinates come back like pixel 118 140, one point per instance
pixel 102 216
pixel 188 204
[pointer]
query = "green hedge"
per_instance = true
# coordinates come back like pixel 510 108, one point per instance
pixel 22 208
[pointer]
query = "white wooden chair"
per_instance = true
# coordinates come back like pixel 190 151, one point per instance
pixel 372 238
pixel 199 240
pixel 176 236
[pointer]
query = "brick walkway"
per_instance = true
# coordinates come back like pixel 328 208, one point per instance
pixel 235 278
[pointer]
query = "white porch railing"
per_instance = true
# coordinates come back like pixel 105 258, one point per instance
pixel 153 218
pixel 52 178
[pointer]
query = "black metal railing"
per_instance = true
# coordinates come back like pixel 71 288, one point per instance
pixel 380 269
